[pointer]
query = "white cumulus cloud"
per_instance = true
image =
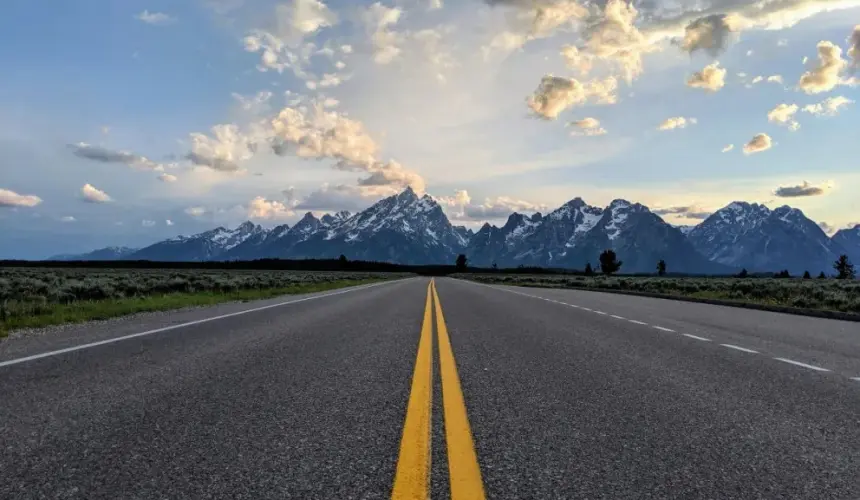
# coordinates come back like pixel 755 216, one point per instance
pixel 91 194
pixel 555 94
pixel 676 122
pixel 825 75
pixel 759 143
pixel 828 107
pixel 12 199
pixel 587 127
pixel 783 115
pixel 711 78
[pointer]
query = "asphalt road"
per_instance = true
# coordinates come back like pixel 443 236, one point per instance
pixel 516 393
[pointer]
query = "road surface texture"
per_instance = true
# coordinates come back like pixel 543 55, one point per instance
pixel 457 390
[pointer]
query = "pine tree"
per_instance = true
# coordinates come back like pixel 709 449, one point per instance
pixel 822 276
pixel 844 268
pixel 461 263
pixel 806 275
pixel 743 273
pixel 609 262
pixel 588 269
pixel 661 267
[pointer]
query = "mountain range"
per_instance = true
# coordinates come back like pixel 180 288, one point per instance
pixel 409 229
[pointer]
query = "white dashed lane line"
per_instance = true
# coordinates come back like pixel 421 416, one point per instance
pixel 804 365
pixel 739 348
pixel 688 335
pixel 703 339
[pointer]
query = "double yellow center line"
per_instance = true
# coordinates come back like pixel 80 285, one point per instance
pixel 412 478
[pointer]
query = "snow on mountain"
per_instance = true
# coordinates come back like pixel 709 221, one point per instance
pixel 401 228
pixel 207 245
pixel 849 240
pixel 576 233
pixel 409 229
pixel 759 239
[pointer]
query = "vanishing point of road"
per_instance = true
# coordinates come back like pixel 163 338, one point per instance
pixel 441 388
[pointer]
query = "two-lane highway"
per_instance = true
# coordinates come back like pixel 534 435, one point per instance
pixel 460 390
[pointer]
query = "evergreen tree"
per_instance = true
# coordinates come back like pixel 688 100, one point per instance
pixel 661 267
pixel 609 262
pixel 844 268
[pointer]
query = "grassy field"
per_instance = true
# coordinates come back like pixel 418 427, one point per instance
pixel 825 294
pixel 36 297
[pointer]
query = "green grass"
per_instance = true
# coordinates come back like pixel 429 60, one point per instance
pixel 823 295
pixel 35 315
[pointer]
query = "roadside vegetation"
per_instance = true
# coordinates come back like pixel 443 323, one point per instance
pixel 840 295
pixel 37 297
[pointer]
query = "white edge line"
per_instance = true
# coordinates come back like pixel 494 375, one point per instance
pixel 739 348
pixel 600 312
pixel 856 379
pixel 703 339
pixel 664 329
pixel 616 316
pixel 637 322
pixel 181 325
pixel 804 365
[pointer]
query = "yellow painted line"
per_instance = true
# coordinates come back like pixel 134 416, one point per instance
pixel 412 478
pixel 463 468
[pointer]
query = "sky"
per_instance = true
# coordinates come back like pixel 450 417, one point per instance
pixel 123 123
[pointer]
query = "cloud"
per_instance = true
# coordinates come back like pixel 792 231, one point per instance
pixel 612 36
pixel 828 107
pixel 676 122
pixel 775 79
pixel 261 208
pixel 827 228
pixel 167 178
pixel 804 189
pixel 67 218
pixel 394 176
pixel 299 18
pixel 710 33
pixel 711 78
pixel 378 20
pixel 535 19
pixel 336 198
pixel 147 223
pixel 854 47
pixel 195 211
pixel 103 155
pixel 460 199
pixel 783 115
pixel 499 208
pixel 168 222
pixel 759 143
pixel 91 194
pixel 587 127
pixel 155 18
pixel 555 94
pixel 12 199
pixel 727 148
pixel 825 75
pixel 226 147
pixel 688 212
